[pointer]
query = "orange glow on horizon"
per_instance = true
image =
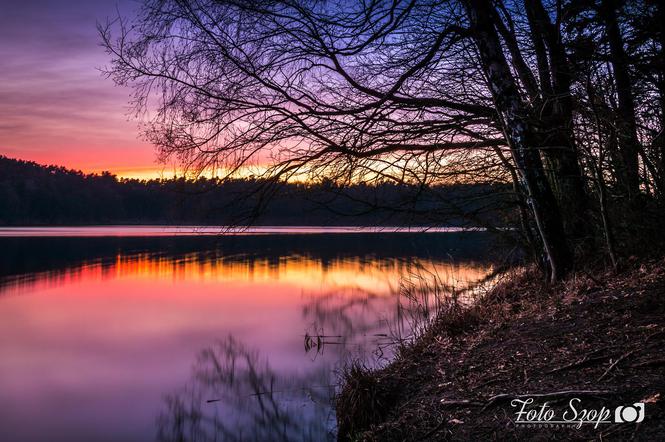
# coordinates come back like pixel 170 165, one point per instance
pixel 138 173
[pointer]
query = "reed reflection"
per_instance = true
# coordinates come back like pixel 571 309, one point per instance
pixel 235 395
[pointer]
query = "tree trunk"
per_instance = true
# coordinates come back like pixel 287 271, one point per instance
pixel 523 207
pixel 627 125
pixel 521 137
pixel 659 140
pixel 556 118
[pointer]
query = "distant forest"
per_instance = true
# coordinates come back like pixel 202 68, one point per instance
pixel 33 194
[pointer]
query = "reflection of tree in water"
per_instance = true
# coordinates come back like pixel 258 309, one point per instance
pixel 361 322
pixel 236 396
pixel 350 320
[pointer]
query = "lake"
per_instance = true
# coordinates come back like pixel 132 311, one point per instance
pixel 143 333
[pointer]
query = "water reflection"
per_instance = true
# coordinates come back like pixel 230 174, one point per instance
pixel 95 331
pixel 236 395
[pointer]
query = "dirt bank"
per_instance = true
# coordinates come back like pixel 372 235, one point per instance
pixel 600 339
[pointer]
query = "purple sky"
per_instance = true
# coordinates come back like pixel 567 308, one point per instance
pixel 55 106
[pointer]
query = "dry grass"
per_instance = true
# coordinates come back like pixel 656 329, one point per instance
pixel 520 336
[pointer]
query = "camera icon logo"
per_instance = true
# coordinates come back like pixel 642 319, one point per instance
pixel 629 413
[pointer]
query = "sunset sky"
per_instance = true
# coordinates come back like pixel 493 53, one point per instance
pixel 55 105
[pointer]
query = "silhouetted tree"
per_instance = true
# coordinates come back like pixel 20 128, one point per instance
pixel 416 92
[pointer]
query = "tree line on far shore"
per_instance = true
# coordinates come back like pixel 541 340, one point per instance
pixel 33 194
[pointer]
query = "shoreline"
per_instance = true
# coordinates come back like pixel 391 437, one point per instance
pixel 598 339
pixel 154 230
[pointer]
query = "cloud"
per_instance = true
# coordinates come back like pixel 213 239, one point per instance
pixel 55 106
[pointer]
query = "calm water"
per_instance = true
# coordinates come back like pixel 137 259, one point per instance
pixel 126 337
